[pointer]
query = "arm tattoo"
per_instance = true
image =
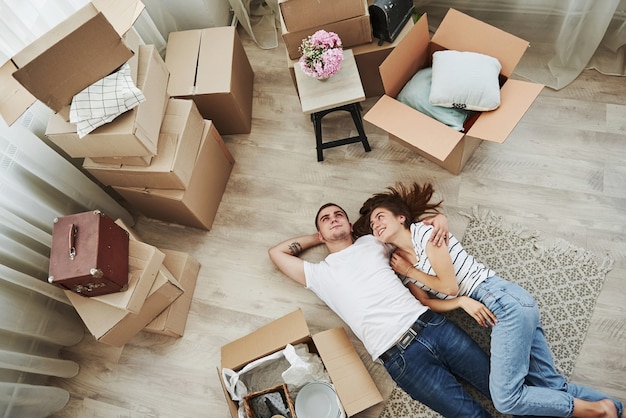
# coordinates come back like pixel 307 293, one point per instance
pixel 295 248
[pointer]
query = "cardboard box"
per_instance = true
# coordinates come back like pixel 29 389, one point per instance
pixel 197 205
pixel 305 14
pixel 354 386
pixel 210 66
pixel 353 31
pixel 133 133
pixel 368 58
pixel 115 326
pixel 141 161
pixel 179 143
pixel 173 319
pixel 435 141
pixel 79 51
pixel 144 262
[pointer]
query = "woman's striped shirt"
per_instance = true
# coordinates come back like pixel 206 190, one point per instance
pixel 469 272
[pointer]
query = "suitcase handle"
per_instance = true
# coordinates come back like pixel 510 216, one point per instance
pixel 72 241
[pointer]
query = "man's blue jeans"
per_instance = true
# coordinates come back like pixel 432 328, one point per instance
pixel 428 369
pixel 524 379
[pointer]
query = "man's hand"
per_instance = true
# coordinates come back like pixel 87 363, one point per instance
pixel 440 232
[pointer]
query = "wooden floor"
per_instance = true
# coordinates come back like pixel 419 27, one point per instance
pixel 562 172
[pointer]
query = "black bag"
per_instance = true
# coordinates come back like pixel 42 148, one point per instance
pixel 388 17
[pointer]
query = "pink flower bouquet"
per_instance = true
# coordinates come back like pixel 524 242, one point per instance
pixel 322 54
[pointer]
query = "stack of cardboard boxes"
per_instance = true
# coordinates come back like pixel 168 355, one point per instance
pixel 161 284
pixel 166 156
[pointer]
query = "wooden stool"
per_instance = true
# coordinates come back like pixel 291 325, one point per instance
pixel 343 91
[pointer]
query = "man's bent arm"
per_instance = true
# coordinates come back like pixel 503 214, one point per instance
pixel 285 255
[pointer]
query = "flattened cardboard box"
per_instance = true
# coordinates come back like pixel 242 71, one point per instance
pixel 435 141
pixel 173 319
pixel 353 31
pixel 79 51
pixel 305 14
pixel 354 385
pixel 210 66
pixel 117 327
pixel 133 133
pixel 197 205
pixel 171 168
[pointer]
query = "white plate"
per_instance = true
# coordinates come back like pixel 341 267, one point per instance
pixel 317 400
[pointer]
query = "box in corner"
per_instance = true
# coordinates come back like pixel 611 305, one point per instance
pixel 210 66
pixel 173 319
pixel 197 205
pixel 433 140
pixel 354 385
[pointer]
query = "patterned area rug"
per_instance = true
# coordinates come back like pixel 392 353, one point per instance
pixel 565 281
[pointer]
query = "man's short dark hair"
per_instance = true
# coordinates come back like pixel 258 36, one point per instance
pixel 324 207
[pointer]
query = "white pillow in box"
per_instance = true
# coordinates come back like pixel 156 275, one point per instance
pixel 465 80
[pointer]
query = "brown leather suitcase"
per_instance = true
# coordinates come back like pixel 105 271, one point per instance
pixel 89 254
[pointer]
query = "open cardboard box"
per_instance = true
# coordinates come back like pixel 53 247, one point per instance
pixel 79 51
pixel 430 138
pixel 133 133
pixel 179 143
pixel 354 385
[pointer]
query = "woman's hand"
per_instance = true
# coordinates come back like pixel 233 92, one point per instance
pixel 399 264
pixel 440 232
pixel 478 311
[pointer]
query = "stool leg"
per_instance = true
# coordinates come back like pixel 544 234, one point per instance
pixel 317 125
pixel 355 111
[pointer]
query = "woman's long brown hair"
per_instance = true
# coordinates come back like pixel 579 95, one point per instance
pixel 413 203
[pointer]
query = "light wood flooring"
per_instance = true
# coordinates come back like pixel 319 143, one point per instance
pixel 561 172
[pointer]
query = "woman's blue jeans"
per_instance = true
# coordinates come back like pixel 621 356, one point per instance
pixel 428 369
pixel 524 379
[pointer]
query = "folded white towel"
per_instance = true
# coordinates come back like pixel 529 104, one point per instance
pixel 104 100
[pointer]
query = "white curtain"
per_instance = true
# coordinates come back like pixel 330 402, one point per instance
pixel 37 184
pixel 566 36
pixel 36 319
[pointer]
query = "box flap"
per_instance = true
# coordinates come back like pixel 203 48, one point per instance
pixel 84 56
pixel 516 97
pixel 14 99
pixel 353 383
pixel 121 13
pixel 478 36
pixel 216 42
pixel 415 128
pixel 181 59
pixel 406 58
pixel 265 340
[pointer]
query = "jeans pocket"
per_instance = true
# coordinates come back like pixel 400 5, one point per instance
pixel 396 366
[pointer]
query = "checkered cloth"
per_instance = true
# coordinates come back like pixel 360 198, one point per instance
pixel 104 100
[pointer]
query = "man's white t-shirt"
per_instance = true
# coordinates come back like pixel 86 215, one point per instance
pixel 358 284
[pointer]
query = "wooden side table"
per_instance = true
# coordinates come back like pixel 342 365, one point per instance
pixel 341 92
